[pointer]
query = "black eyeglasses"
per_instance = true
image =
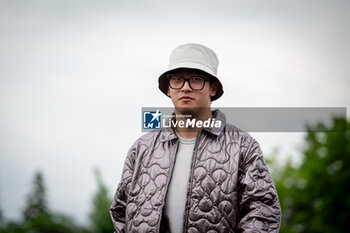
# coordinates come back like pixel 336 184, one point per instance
pixel 196 82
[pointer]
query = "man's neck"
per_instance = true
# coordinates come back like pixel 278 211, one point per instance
pixel 192 132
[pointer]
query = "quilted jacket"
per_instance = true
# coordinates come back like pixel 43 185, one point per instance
pixel 229 189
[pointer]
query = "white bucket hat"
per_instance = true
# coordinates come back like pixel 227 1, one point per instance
pixel 192 56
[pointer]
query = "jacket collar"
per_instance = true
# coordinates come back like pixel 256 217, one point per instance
pixel 219 116
pixel 169 134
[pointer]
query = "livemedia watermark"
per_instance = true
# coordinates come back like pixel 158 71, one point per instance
pixel 249 119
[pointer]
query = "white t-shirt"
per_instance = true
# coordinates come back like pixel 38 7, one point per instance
pixel 176 196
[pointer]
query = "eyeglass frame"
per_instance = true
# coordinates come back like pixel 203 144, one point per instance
pixel 205 78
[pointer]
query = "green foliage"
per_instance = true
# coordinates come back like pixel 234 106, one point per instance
pixel 46 223
pixel 36 202
pixel 2 221
pixel 101 202
pixel 37 218
pixel 315 195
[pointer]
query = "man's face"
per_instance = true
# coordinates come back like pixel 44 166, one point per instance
pixel 186 97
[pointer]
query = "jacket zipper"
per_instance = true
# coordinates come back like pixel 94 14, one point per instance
pixel 172 162
pixel 189 186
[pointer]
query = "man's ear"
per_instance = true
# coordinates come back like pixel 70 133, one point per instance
pixel 213 88
pixel 168 92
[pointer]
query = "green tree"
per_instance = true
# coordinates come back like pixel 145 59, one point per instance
pixel 315 195
pixel 36 204
pixel 37 218
pixel 101 202
pixel 2 220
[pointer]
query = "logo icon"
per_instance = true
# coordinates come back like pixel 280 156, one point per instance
pixel 152 119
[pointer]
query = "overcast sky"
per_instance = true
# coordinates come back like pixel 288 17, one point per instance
pixel 75 74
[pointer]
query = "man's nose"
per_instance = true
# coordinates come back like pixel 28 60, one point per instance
pixel 186 86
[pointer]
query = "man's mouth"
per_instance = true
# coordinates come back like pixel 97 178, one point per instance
pixel 186 98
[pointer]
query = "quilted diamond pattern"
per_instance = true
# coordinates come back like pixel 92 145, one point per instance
pixel 229 190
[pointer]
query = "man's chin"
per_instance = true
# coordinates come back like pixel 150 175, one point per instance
pixel 185 109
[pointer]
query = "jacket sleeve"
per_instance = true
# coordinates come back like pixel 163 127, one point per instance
pixel 259 208
pixel 118 207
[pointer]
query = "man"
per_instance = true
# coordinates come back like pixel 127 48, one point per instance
pixel 195 179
